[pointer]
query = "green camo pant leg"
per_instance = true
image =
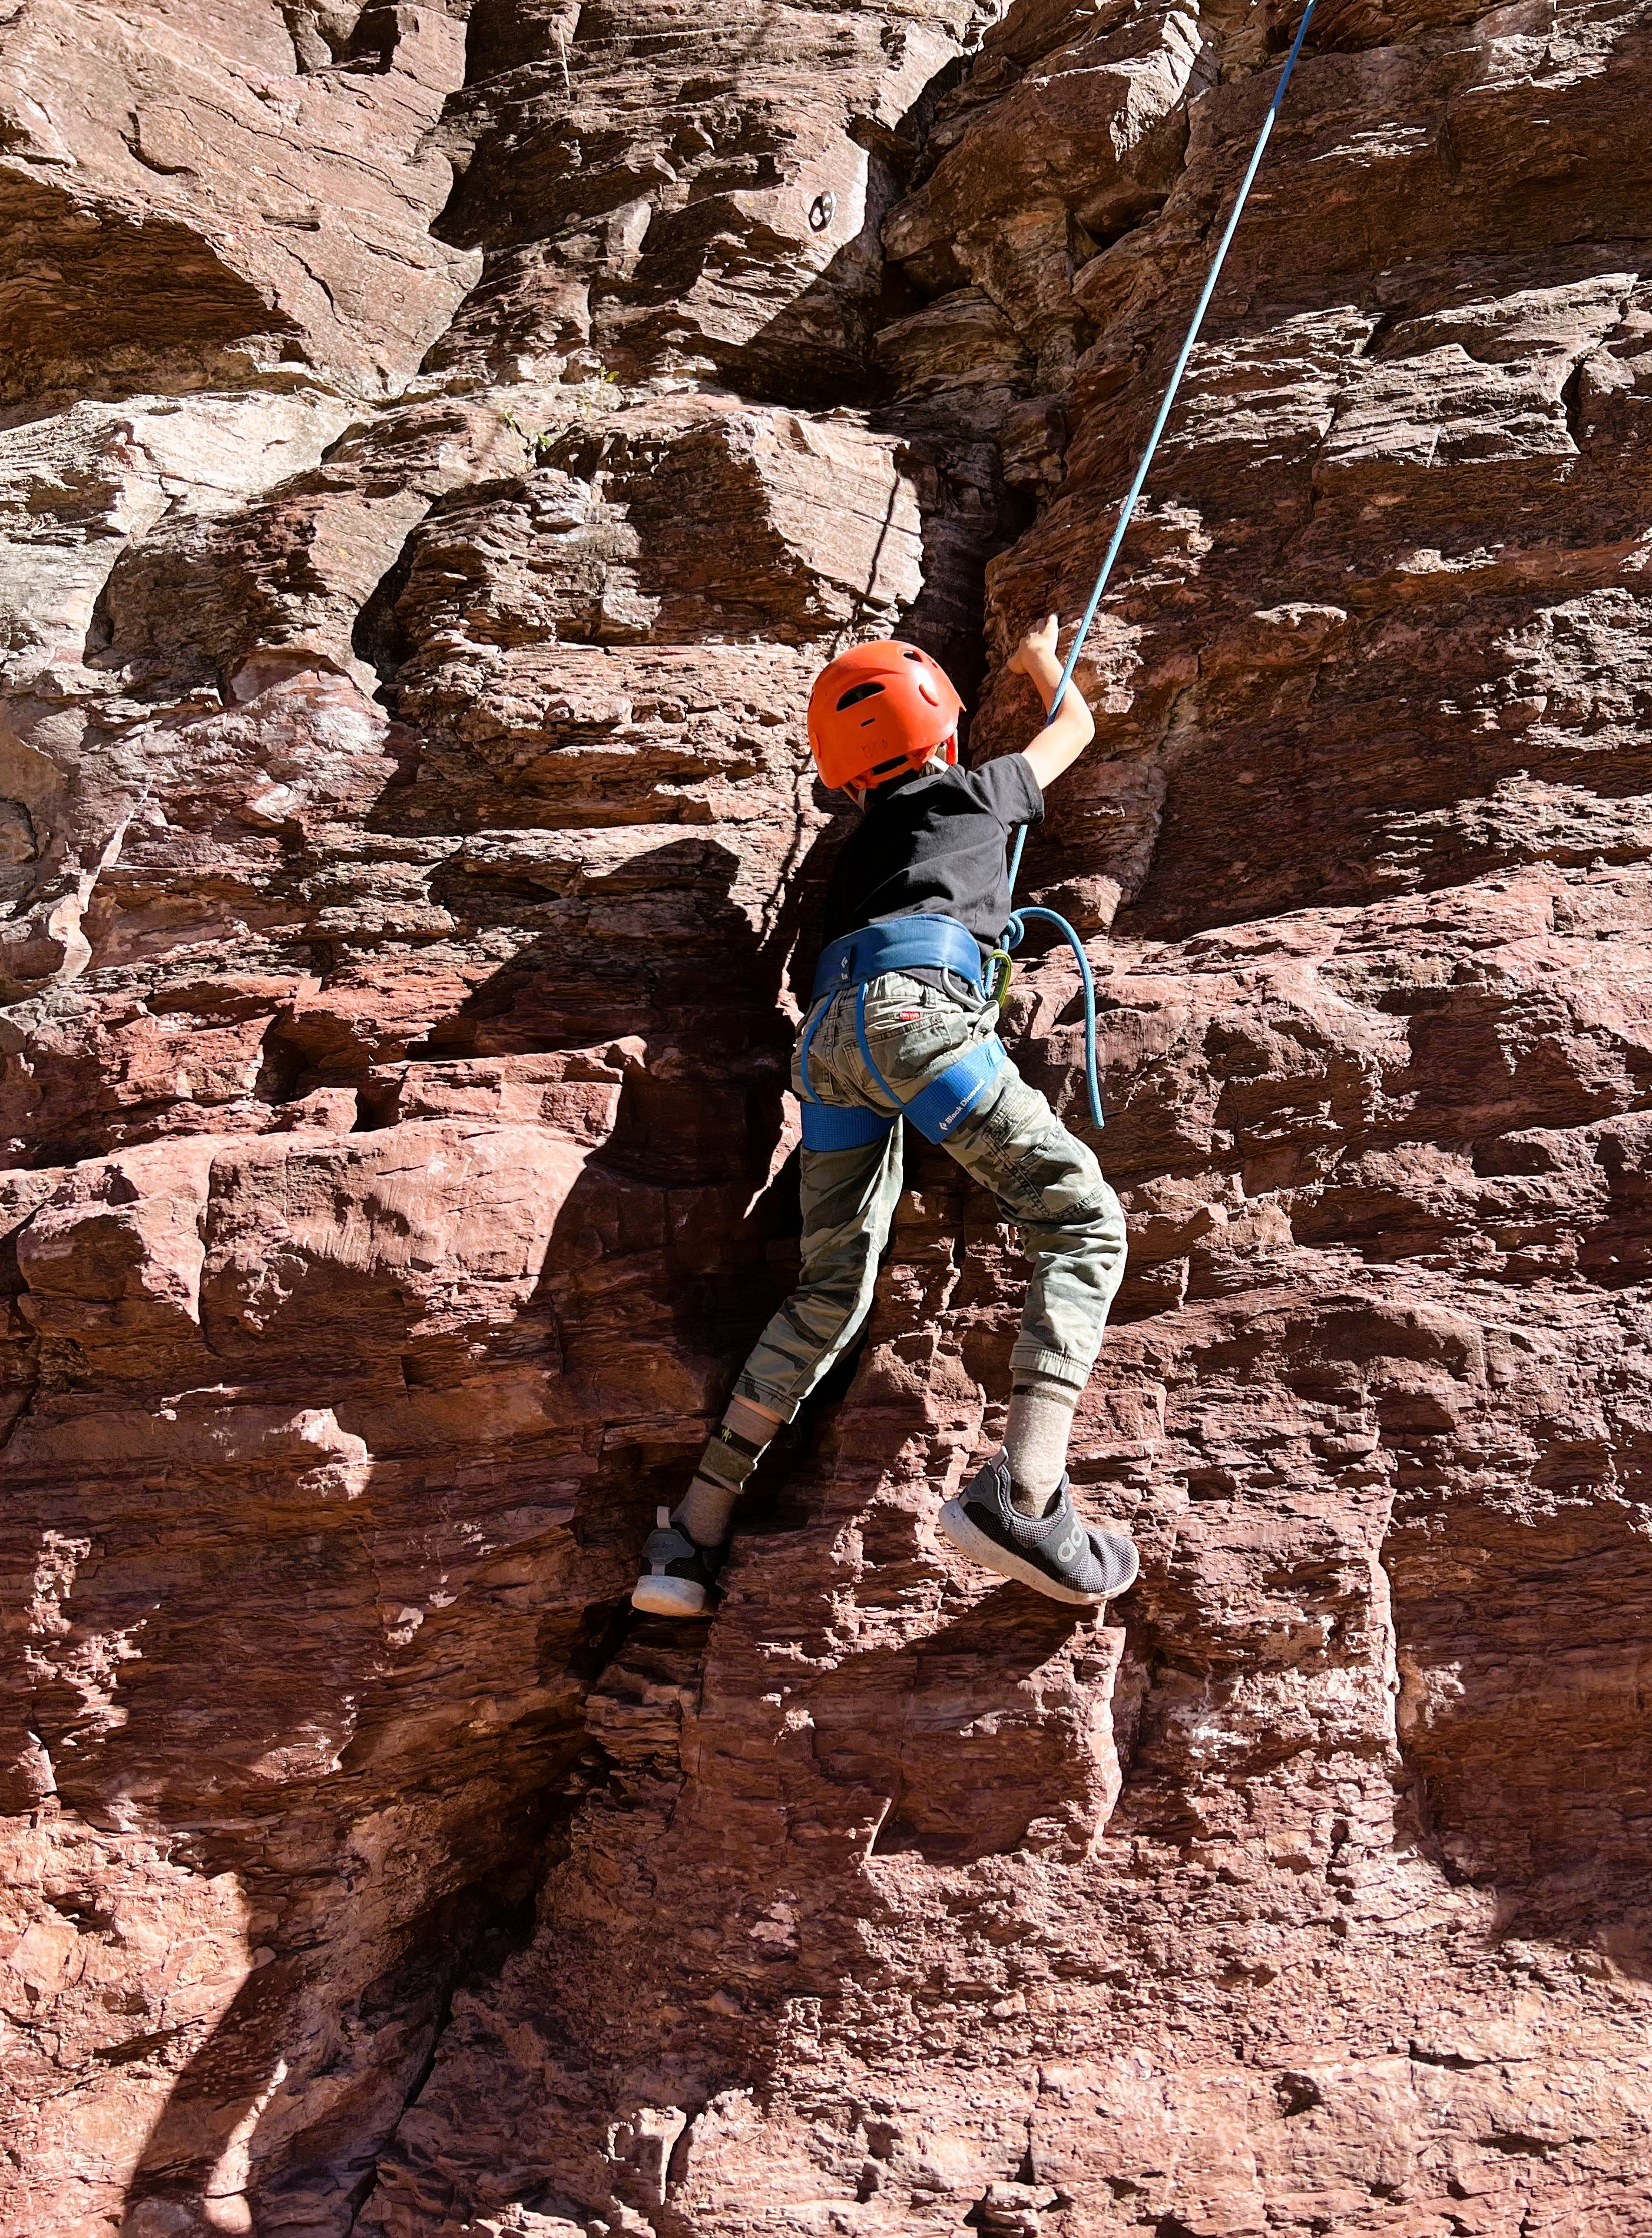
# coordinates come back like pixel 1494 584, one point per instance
pixel 1048 1182
pixel 1044 1179
pixel 849 1199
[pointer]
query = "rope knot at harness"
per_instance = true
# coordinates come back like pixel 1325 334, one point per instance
pixel 1015 928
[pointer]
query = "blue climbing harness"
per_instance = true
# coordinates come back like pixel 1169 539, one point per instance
pixel 902 943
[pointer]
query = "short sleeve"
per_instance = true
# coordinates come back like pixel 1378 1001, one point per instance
pixel 1008 787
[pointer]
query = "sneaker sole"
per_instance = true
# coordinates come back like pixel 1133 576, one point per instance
pixel 669 1597
pixel 969 1539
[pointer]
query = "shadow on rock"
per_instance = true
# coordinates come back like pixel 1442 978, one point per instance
pixel 418 1642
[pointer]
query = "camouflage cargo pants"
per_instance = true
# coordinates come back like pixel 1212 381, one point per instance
pixel 1046 1180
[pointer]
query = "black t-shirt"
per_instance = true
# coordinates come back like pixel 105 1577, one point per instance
pixel 933 844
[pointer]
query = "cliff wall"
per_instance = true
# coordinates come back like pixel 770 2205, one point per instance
pixel 437 449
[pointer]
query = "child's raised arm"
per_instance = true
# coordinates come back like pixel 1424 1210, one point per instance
pixel 1059 746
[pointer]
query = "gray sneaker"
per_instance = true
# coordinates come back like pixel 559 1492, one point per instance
pixel 682 1577
pixel 1057 1554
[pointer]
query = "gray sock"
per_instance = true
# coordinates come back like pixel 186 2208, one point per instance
pixel 706 1511
pixel 1035 1440
pixel 707 1507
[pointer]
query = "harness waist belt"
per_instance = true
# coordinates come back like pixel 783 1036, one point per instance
pixel 899 943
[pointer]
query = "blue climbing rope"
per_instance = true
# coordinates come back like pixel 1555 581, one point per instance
pixel 1014 932
pixel 1015 929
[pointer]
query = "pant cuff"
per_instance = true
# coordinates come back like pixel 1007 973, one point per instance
pixel 765 1395
pixel 1054 1390
pixel 1059 1367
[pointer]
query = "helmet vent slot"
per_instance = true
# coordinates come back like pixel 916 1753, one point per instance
pixel 856 694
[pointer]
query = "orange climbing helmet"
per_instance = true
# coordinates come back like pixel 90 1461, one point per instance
pixel 878 708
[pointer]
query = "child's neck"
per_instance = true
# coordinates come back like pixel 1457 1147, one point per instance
pixel 876 792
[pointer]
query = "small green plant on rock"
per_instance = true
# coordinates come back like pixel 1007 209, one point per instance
pixel 539 443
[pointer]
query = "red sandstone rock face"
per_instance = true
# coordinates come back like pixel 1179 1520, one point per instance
pixel 439 447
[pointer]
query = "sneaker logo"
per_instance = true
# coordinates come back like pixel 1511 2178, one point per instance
pixel 1070 1545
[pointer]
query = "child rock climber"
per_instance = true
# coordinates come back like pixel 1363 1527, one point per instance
pixel 902 1025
